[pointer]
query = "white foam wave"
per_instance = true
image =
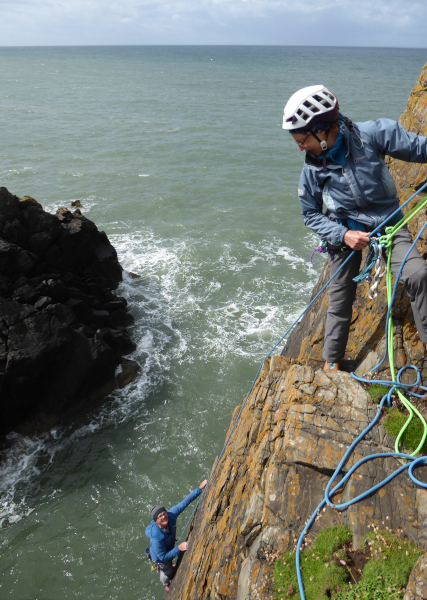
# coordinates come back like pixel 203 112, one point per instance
pixel 243 321
pixel 18 467
pixel 187 306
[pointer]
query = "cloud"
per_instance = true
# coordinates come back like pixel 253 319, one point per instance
pixel 325 22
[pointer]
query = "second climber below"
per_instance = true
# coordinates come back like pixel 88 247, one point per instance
pixel 162 534
pixel 344 170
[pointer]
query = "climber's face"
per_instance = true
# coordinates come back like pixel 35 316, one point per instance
pixel 163 519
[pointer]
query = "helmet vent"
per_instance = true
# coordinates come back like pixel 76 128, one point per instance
pixel 328 102
pixel 310 105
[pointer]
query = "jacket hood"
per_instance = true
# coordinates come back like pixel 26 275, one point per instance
pixel 153 531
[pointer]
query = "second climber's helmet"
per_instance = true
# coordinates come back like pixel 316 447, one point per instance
pixel 309 106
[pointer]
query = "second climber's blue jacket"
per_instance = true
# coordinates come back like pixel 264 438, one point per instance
pixel 162 543
pixel 362 189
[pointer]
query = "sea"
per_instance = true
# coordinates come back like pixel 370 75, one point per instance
pixel 178 154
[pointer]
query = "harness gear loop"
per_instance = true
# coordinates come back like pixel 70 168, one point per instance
pixel 375 257
pixel 380 270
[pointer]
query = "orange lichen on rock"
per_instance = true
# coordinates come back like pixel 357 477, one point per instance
pixel 261 494
pixel 294 429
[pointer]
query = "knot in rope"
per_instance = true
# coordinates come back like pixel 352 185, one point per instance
pixel 386 240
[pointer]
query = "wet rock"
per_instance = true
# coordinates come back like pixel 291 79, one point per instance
pixel 129 369
pixel 77 204
pixel 57 276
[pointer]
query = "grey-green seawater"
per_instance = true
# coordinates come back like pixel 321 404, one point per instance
pixel 178 154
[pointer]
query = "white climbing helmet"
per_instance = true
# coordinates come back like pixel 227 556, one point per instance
pixel 310 105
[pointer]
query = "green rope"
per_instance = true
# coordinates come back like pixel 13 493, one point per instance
pixel 387 240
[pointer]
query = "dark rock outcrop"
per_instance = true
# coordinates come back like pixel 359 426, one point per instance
pixel 295 427
pixel 62 329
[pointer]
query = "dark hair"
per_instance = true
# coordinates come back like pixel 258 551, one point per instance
pixel 316 127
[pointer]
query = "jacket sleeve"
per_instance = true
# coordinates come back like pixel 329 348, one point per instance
pixel 159 548
pixel 310 195
pixel 177 510
pixel 393 139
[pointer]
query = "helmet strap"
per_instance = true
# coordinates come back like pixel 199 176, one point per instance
pixel 323 143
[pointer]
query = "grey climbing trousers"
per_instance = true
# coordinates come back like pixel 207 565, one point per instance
pixel 166 572
pixel 342 291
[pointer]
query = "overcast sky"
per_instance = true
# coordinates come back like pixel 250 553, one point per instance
pixel 393 23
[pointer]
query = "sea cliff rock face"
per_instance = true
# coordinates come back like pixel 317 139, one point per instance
pixel 293 430
pixel 62 329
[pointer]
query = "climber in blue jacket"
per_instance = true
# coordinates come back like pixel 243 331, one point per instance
pixel 345 172
pixel 162 534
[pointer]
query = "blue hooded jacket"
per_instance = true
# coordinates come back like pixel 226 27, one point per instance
pixel 161 542
pixel 362 189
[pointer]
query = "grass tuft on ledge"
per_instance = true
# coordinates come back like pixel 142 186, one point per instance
pixel 378 391
pixel 394 422
pixel 332 569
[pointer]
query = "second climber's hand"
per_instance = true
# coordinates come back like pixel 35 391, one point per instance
pixel 183 546
pixel 356 240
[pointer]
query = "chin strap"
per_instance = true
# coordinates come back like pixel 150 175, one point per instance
pixel 324 147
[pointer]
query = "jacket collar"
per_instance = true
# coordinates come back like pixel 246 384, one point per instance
pixel 346 126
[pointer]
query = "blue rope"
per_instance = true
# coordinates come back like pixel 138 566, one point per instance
pixel 413 462
pixel 253 385
pixel 327 500
pixel 329 493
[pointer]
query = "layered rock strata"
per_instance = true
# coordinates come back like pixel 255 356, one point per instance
pixel 293 430
pixel 63 332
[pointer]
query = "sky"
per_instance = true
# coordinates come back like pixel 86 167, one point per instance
pixel 384 23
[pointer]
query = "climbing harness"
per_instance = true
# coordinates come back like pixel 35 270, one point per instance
pixel 153 565
pixel 396 385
